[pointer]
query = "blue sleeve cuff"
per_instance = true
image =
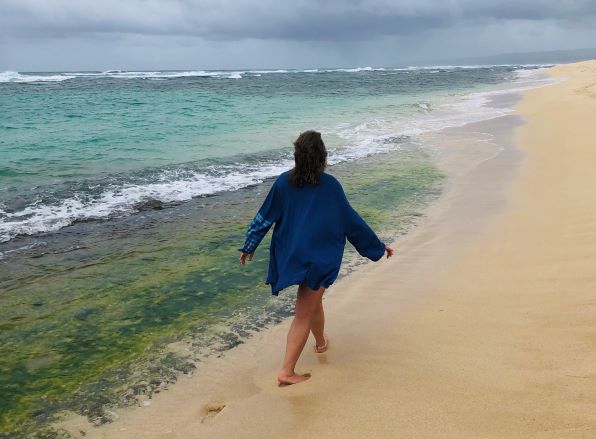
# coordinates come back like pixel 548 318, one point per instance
pixel 378 256
pixel 246 249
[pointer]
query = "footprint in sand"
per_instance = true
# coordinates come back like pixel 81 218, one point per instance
pixel 211 410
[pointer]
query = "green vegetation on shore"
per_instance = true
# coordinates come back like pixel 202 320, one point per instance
pixel 90 329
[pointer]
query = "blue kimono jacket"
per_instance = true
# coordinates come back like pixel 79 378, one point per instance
pixel 311 227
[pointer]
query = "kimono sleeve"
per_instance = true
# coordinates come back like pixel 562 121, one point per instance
pixel 360 235
pixel 269 213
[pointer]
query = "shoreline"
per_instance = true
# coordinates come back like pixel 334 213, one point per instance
pixel 204 405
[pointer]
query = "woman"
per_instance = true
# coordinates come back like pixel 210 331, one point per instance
pixel 312 219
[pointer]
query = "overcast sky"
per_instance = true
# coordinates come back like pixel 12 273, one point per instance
pixel 238 34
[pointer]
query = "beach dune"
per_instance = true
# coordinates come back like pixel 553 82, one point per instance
pixel 483 325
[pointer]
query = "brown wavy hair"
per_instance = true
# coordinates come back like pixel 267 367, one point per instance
pixel 310 157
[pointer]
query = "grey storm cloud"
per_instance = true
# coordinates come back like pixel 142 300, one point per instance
pixel 298 20
pixel 41 35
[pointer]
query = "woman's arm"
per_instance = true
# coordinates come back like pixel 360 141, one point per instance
pixel 269 213
pixel 360 235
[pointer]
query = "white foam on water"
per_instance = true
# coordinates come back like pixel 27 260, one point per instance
pixel 39 218
pixel 471 67
pixel 443 112
pixel 10 76
pixel 18 77
pixel 365 139
pixel 121 74
pixel 355 70
pixel 432 69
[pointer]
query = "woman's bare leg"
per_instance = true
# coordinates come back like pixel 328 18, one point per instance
pixel 317 324
pixel 307 301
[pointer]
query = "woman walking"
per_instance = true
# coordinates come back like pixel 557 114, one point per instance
pixel 312 219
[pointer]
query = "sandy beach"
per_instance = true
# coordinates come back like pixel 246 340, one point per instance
pixel 482 326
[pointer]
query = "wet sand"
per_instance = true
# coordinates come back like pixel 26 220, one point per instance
pixel 481 326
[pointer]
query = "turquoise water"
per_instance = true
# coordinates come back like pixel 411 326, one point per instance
pixel 124 198
pixel 81 146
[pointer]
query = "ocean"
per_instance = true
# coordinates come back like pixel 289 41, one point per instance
pixel 124 197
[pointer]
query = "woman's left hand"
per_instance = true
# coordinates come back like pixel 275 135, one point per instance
pixel 389 251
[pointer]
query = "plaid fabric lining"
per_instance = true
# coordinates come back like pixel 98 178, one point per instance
pixel 257 230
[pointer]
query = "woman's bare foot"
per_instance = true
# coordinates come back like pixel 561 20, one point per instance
pixel 320 349
pixel 285 380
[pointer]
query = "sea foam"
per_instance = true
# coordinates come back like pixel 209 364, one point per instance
pixel 371 137
pixel 170 188
pixel 10 76
pixel 20 77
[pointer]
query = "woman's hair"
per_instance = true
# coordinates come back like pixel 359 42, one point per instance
pixel 310 156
